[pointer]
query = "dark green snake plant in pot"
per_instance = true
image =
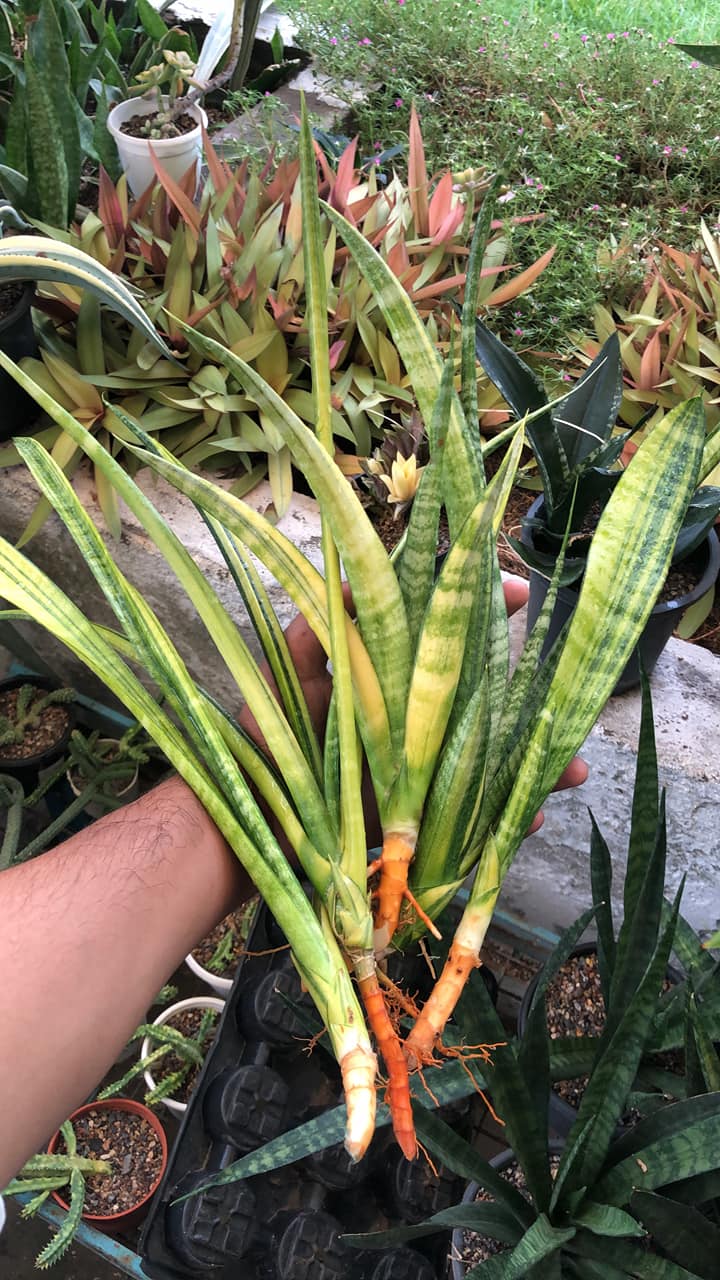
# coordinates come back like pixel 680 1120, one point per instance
pixel 460 751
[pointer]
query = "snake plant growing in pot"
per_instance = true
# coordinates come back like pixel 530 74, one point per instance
pixel 618 1201
pixel 460 753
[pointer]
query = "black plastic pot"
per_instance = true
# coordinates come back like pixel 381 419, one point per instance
pixel 258 1081
pixel 27 771
pixel 18 410
pixel 501 1161
pixel 561 1115
pixel 660 625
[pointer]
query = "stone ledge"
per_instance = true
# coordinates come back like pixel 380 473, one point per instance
pixel 550 882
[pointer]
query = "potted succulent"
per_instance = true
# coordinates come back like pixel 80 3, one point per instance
pixel 461 753
pixel 110 1192
pixel 36 720
pixel 215 959
pixel 165 125
pixel 578 457
pixel 179 1039
pixel 106 770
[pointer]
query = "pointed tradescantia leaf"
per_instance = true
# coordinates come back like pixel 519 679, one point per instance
pixel 37 258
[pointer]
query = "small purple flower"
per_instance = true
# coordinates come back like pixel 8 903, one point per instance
pixel 594 208
pixel 667 151
pixel 482 49
pixel 365 40
pixel 656 82
pixel 584 39
pixel 694 66
pixel 333 39
pixel 518 333
pixel 610 35
pixel 618 157
pixel 521 130
pixel 566 377
pixel 556 35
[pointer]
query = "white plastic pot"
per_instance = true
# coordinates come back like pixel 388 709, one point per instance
pixel 213 980
pixel 96 808
pixel 194 1002
pixel 176 155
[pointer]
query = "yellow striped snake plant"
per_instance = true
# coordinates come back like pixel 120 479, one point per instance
pixel 460 751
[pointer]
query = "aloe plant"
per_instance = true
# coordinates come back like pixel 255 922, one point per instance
pixel 43 1174
pixel 460 753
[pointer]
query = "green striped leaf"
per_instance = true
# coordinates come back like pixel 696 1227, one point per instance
pixel 306 588
pixel 352 827
pixel 221 629
pixel 38 258
pixel 464 478
pixel 628 561
pixel 629 1259
pixel 468 366
pixel 441 646
pixel 318 959
pixel 376 594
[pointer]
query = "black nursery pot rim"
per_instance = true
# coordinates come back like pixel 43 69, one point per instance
pixel 501 1161
pixel 712 568
pixel 22 306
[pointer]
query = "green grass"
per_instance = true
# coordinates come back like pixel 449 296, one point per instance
pixel 607 130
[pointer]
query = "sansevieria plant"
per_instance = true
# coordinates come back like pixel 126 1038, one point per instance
pixel 460 753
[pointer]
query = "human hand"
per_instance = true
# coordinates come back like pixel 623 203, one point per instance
pixel 311 665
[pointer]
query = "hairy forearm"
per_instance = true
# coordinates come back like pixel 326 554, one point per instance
pixel 89 933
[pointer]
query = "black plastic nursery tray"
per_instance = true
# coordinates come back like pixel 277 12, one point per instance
pixel 259 1081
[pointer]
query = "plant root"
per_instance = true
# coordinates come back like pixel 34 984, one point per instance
pixel 439 1006
pixel 391 1050
pixel 393 865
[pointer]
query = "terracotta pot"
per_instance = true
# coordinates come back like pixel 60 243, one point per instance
pixel 112 1222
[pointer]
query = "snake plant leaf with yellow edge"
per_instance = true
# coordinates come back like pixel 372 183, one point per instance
pixel 372 579
pixel 352 823
pixel 420 357
pixel 231 805
pixel 39 258
pixel 289 755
